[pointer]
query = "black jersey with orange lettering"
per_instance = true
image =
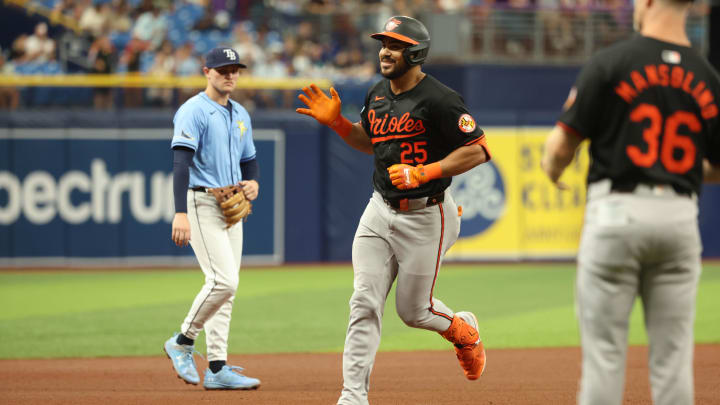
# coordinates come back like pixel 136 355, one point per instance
pixel 419 126
pixel 650 109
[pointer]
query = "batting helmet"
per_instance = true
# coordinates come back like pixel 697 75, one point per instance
pixel 411 31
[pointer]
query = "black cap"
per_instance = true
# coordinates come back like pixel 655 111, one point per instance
pixel 218 57
pixel 405 29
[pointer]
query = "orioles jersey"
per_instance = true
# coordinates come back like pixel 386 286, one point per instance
pixel 650 109
pixel 419 126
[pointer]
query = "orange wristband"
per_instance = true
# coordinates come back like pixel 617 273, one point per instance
pixel 342 126
pixel 432 171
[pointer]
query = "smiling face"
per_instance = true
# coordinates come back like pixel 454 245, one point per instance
pixel 392 63
pixel 223 79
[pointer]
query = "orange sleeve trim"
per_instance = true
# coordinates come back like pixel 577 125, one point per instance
pixel 342 126
pixel 483 142
pixel 569 129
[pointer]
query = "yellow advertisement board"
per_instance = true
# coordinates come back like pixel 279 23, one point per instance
pixel 510 208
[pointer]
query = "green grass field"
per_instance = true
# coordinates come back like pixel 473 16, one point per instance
pixel 292 309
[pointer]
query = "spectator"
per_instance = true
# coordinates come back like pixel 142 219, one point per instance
pixel 120 17
pixel 9 96
pixel 63 8
pixel 248 50
pixel 102 59
pixel 95 19
pixel 142 8
pixel 613 21
pixel 514 20
pixel 186 64
pixel 451 6
pixel 557 26
pixel 163 66
pixel 39 47
pixel 17 50
pixel 361 68
pixel 273 68
pixel 151 27
pixel 212 20
pixel 130 59
pixel 301 63
pixel 273 65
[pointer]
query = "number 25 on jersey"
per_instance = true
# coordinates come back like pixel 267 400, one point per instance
pixel 671 139
pixel 413 152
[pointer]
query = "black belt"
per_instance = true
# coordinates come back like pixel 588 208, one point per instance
pixel 630 186
pixel 403 203
pixel 203 189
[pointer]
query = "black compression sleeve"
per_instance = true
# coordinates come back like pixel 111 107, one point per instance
pixel 182 157
pixel 250 170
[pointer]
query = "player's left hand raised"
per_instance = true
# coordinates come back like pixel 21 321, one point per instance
pixel 323 108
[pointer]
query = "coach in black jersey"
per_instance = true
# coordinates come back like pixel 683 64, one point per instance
pixel 649 107
pixel 421 135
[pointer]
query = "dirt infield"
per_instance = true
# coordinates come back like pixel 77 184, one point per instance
pixel 517 377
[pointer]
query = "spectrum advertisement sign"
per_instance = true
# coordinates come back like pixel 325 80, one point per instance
pixel 74 196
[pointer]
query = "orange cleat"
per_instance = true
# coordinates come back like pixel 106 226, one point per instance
pixel 468 346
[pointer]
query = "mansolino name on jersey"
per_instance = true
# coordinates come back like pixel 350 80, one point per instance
pixel 78 197
pixel 663 75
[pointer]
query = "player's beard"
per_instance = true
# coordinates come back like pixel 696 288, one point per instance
pixel 397 71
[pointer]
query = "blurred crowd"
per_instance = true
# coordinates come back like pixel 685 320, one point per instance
pixel 275 38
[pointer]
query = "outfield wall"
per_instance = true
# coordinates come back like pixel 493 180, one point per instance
pixel 82 187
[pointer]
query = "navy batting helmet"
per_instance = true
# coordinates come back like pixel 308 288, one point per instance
pixel 411 31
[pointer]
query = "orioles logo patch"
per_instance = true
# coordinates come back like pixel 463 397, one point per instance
pixel 392 24
pixel 466 123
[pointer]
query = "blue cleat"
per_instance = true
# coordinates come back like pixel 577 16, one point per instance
pixel 182 360
pixel 227 379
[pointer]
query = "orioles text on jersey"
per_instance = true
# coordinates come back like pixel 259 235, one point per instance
pixel 404 127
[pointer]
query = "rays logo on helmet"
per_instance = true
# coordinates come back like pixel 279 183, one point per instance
pixel 392 24
pixel 230 54
pixel 466 123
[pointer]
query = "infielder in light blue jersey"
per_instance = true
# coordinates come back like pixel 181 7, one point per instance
pixel 212 147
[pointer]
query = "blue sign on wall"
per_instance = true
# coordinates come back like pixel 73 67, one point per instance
pixel 79 195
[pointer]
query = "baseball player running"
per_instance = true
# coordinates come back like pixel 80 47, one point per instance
pixel 421 135
pixel 212 147
pixel 649 107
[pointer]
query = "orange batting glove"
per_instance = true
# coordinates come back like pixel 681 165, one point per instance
pixel 324 109
pixel 406 177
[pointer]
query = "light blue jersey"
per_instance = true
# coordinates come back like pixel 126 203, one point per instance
pixel 220 144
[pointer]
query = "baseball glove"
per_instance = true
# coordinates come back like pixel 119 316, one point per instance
pixel 232 201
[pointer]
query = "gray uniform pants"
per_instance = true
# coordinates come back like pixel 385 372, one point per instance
pixel 392 244
pixel 218 250
pixel 645 244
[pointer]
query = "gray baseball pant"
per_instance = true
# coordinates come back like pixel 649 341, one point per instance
pixel 392 244
pixel 643 244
